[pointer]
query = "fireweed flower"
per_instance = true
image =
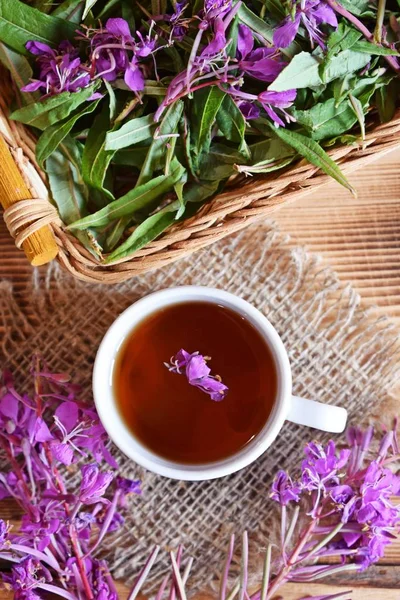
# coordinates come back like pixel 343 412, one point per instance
pixel 216 8
pixel 179 25
pixel 261 63
pixel 307 13
pixel 283 489
pixel 115 51
pixel 274 104
pixel 353 516
pixel 27 576
pixel 198 373
pixel 56 539
pixel 60 69
pixel 94 484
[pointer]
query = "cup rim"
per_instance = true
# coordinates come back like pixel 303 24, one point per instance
pixel 106 405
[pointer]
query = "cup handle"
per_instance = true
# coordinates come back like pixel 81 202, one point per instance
pixel 315 414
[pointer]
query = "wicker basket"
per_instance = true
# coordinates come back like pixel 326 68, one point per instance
pixel 230 211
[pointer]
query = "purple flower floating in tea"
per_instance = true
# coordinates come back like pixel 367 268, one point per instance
pixel 198 374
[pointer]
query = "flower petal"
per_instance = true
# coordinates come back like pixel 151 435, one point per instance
pixel 38 48
pixel 324 14
pixel 41 432
pixel 118 27
pixel 285 34
pixel 62 452
pixel 134 78
pixel 245 41
pixel 68 413
pixel 197 369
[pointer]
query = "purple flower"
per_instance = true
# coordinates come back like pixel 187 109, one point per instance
pixel 62 452
pixel 40 531
pixel 179 26
pixel 218 41
pixel 94 484
pixel 128 486
pixel 68 414
pixel 248 109
pixel 60 69
pixel 3 532
pixel 26 576
pixel 284 490
pixel 38 430
pixel 310 14
pixel 341 494
pixel 115 51
pixel 261 63
pixel 103 585
pixel 198 373
pixel 274 103
pixel 216 8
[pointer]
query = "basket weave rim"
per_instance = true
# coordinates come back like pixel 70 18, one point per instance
pixel 227 213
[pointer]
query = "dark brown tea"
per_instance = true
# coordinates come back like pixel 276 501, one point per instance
pixel 177 420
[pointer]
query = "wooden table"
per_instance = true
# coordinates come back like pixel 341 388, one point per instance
pixel 360 239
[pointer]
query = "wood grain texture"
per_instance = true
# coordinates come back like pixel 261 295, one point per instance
pixel 360 239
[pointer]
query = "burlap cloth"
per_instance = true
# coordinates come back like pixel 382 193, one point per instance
pixel 338 355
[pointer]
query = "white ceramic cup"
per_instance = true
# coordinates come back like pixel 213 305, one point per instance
pixel 286 407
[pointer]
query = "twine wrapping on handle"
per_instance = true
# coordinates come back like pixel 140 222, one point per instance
pixel 27 216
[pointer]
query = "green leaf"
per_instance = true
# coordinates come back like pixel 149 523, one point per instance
pixel 304 70
pixel 361 8
pixel 88 6
pixel 269 151
pixel 128 14
pixel 232 36
pixel 167 127
pixel 219 163
pixel 20 71
pixel 232 124
pixel 68 189
pixel 178 187
pixel 133 157
pixel 135 200
pixel 112 101
pixel 325 119
pixel 20 23
pixel 54 135
pixel 313 152
pixel 107 9
pixel 343 38
pixel 266 156
pixel 358 109
pixel 386 101
pixel 144 233
pixel 134 131
pixel 117 232
pixel 200 191
pixel 369 48
pixel 206 104
pixel 53 109
pixel 96 159
pixel 70 10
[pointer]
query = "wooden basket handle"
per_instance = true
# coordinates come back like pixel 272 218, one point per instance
pixel 37 241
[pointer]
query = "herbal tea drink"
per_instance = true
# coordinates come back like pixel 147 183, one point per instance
pixel 177 410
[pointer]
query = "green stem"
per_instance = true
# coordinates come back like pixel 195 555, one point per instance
pixel 379 21
pixel 324 542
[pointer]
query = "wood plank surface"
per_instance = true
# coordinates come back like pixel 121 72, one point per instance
pixel 360 239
